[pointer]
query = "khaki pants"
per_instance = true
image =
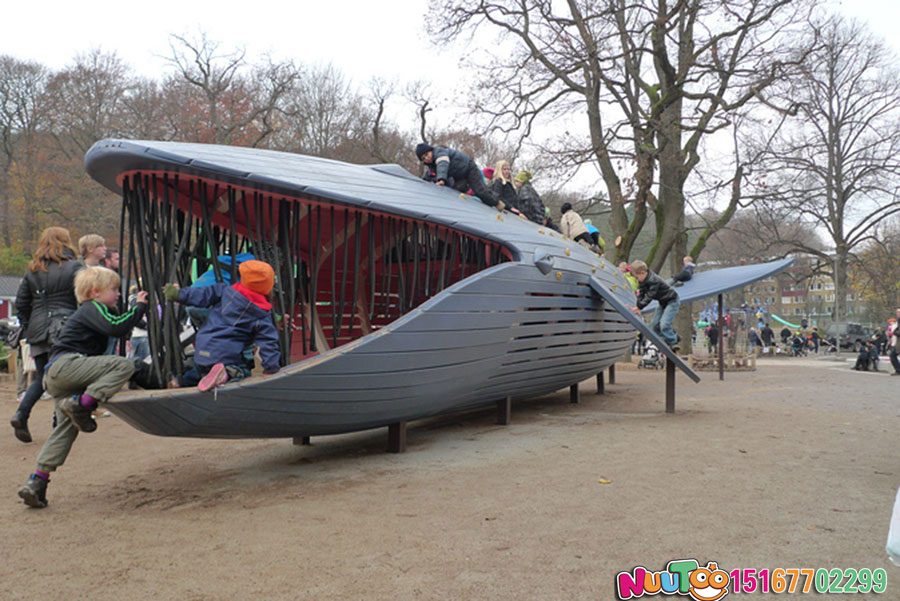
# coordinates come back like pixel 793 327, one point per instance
pixel 71 374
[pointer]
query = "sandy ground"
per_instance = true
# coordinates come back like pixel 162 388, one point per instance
pixel 795 466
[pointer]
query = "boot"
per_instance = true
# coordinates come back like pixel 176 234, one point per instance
pixel 34 493
pixel 80 416
pixel 20 424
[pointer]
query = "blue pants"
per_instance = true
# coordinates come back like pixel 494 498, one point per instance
pixel 36 389
pixel 193 376
pixel 662 321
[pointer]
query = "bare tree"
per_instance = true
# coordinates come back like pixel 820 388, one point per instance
pixel 419 93
pixel 240 104
pixel 21 117
pixel 86 100
pixel 875 276
pixel 838 166
pixel 653 78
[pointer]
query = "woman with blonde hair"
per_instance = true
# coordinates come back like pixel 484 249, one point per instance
pixel 45 299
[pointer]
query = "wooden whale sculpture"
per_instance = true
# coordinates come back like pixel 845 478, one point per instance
pixel 400 299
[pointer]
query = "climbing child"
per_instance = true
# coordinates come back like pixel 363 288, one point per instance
pixel 686 273
pixel 79 375
pixel 240 315
pixel 652 287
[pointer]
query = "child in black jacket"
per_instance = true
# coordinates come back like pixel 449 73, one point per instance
pixel 79 374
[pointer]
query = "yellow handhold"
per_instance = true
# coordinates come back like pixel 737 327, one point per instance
pixel 499 217
pixel 463 196
pixel 558 275
pixel 604 481
pixel 568 253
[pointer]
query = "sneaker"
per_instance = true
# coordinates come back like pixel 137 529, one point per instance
pixel 20 425
pixel 216 377
pixel 80 416
pixel 34 493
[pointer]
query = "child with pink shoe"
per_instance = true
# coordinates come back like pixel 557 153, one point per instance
pixel 240 316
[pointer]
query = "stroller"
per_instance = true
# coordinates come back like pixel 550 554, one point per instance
pixel 798 347
pixel 651 359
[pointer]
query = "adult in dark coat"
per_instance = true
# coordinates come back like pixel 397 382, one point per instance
pixel 785 335
pixel 453 165
pixel 712 333
pixel 768 335
pixel 46 298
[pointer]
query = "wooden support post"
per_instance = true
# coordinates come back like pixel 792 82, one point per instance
pixel 612 373
pixel 504 410
pixel 397 437
pixel 600 389
pixel 670 387
pixel 302 440
pixel 574 397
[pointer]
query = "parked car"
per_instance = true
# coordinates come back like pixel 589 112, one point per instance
pixel 849 335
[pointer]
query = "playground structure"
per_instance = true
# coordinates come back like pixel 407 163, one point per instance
pixel 397 299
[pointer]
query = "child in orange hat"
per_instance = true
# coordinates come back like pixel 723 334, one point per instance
pixel 240 315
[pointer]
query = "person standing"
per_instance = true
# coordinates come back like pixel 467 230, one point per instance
pixel 45 300
pixel 92 248
pixel 452 165
pixel 815 338
pixel 768 337
pixel 893 337
pixel 111 260
pixel 712 338
pixel 785 335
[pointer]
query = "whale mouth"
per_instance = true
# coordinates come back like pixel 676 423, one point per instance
pixel 343 271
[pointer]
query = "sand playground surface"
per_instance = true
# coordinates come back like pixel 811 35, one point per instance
pixel 794 465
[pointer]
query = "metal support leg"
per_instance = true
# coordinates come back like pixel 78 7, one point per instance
pixel 612 373
pixel 720 347
pixel 574 397
pixel 397 437
pixel 504 410
pixel 670 387
pixel 600 388
pixel 302 440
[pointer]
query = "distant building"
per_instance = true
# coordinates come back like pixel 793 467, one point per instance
pixel 794 294
pixel 9 285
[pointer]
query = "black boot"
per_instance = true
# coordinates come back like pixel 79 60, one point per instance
pixel 80 416
pixel 34 493
pixel 20 423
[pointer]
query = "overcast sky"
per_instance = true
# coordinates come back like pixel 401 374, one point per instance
pixel 362 38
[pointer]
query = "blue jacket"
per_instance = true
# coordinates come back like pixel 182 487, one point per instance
pixel 449 163
pixel 234 323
